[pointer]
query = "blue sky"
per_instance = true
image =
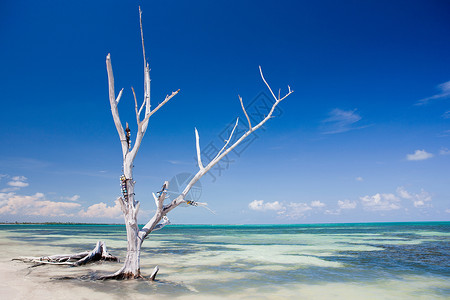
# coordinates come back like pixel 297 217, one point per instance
pixel 365 136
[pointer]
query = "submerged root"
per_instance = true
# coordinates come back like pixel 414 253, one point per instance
pixel 99 253
pixel 123 275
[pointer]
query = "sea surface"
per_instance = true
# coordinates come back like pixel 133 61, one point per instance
pixel 324 261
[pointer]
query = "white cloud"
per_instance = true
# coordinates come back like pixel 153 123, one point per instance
pixel 381 202
pixel 317 204
pixel 444 151
pixel 420 200
pixel 295 210
pixel 447 210
pixel 10 189
pixel 340 121
pixel 73 198
pixel 403 193
pixel 261 206
pixel 333 212
pixel 390 201
pixel 18 181
pixel 101 210
pixel 419 155
pixel 34 205
pixel 444 93
pixel 18 184
pixel 359 179
pixel 292 210
pixel 346 204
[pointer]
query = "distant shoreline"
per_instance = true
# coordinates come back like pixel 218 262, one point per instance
pixel 56 223
pixel 297 224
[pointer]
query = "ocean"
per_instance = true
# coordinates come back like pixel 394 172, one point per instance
pixel 320 261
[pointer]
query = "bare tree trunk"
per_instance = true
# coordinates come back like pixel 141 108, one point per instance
pixel 130 207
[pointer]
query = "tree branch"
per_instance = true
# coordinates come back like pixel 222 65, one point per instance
pixel 160 105
pixel 163 210
pixel 119 96
pixel 159 214
pixel 197 146
pixel 142 106
pixel 180 199
pixel 146 76
pixel 245 112
pixel 136 107
pixel 268 86
pixel 165 221
pixel 142 36
pixel 113 102
pixel 229 139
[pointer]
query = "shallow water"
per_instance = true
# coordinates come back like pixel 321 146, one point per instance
pixel 339 261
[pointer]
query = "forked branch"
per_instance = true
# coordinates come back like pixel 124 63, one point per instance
pixel 224 151
pixel 245 112
pixel 197 146
pixel 142 125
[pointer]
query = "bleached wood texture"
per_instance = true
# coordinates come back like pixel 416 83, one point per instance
pixel 74 260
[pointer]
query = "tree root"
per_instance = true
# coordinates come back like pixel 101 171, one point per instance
pixel 122 275
pixel 73 260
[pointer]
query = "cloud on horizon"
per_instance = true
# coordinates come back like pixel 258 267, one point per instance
pixel 420 200
pixel 102 210
pixel 380 202
pixel 343 205
pixel 35 205
pixel 292 210
pixel 385 202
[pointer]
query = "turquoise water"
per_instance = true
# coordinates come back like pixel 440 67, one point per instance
pixel 371 260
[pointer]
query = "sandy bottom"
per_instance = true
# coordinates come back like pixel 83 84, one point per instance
pixel 216 274
pixel 18 281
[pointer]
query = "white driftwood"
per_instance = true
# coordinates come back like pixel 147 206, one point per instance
pixel 74 260
pixel 129 205
pixel 155 271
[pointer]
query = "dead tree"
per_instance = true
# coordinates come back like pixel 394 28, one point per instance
pixel 130 206
pixel 128 203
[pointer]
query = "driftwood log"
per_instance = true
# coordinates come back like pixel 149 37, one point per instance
pixel 99 253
